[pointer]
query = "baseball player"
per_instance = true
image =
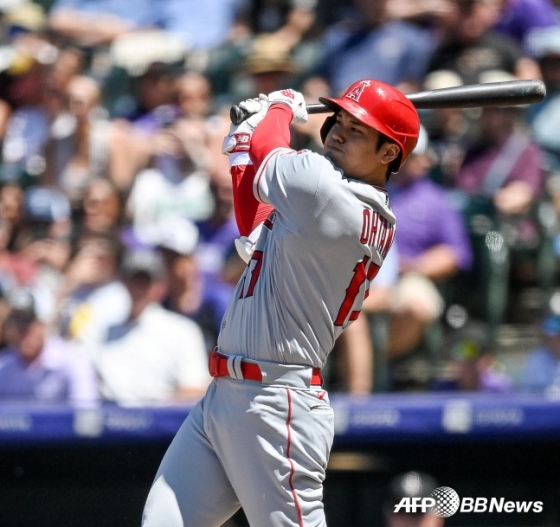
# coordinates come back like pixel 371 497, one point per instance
pixel 261 436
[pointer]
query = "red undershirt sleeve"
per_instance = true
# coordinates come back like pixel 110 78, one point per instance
pixel 248 211
pixel 273 132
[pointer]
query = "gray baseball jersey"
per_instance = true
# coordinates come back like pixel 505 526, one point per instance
pixel 265 445
pixel 289 307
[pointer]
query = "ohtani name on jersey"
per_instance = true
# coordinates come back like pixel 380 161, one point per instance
pixel 377 231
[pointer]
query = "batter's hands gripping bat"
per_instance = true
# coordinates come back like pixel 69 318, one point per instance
pixel 508 93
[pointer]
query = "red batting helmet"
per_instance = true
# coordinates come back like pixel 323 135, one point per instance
pixel 382 107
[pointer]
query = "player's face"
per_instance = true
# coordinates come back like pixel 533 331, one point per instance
pixel 352 147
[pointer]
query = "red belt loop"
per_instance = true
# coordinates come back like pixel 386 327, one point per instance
pixel 316 377
pixel 214 364
pixel 218 367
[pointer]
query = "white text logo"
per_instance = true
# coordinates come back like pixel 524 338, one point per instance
pixel 445 502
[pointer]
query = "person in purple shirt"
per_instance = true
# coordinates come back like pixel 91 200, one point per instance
pixel 517 185
pixel 503 173
pixel 36 367
pixel 518 18
pixel 433 246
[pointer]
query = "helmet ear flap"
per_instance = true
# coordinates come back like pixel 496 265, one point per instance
pixel 327 125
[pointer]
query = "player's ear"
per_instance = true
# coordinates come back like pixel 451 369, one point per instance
pixel 390 152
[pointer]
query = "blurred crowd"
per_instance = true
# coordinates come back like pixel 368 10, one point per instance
pixel 117 255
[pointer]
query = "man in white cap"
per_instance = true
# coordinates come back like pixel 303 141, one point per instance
pixel 156 356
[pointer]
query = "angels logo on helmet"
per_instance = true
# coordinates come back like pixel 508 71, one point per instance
pixel 356 91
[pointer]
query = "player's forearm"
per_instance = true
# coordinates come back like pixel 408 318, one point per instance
pixel 437 263
pixel 273 132
pixel 89 30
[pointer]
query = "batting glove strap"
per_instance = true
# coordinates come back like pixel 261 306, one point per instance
pixel 294 100
pixel 237 142
pixel 242 141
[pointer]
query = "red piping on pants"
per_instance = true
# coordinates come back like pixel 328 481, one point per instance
pixel 292 466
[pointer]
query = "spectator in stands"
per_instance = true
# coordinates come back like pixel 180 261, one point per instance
pixel 155 93
pixel 412 484
pixel 23 19
pixel 26 119
pixel 544 117
pixel 372 45
pixel 307 136
pixel 478 370
pixel 504 170
pixel 275 38
pixel 102 208
pixel 450 130
pixel 14 269
pixel 7 259
pixel 294 27
pixel 91 23
pixel 472 364
pixel 91 298
pixel 69 63
pixel 201 26
pixel 156 356
pixel 194 93
pixel 195 256
pixel 423 12
pixel 519 18
pixel 269 16
pixel 36 367
pixel 433 246
pixel 540 372
pixel 177 239
pixel 41 248
pixel 11 205
pixel 267 67
pixel 470 46
pixel 217 235
pixel 195 133
pixel 174 184
pixel 85 144
pixel 5 308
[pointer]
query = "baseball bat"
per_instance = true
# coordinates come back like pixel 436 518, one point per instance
pixel 508 93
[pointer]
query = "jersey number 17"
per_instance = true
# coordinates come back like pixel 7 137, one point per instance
pixel 364 272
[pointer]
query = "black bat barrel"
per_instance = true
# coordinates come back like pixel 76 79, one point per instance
pixel 508 93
